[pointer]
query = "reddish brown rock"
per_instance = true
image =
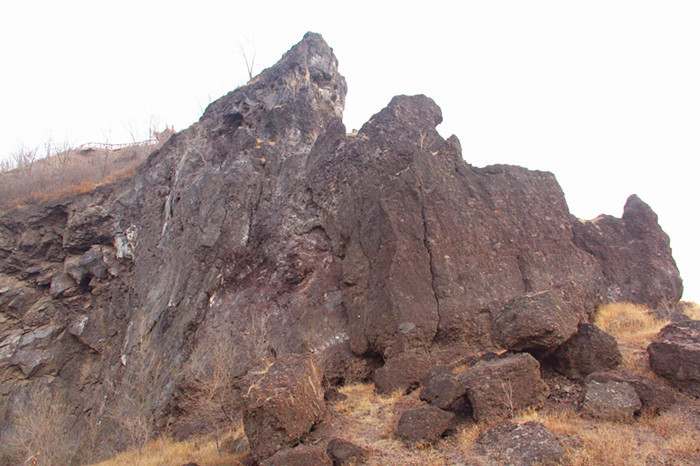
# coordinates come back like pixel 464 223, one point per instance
pixel 424 425
pixel 655 398
pixel 538 322
pixel 503 387
pixel 343 452
pixel 442 387
pixel 588 351
pixel 634 254
pixel 302 455
pixel 675 355
pixel 401 373
pixel 610 401
pixel 283 405
pixel 525 444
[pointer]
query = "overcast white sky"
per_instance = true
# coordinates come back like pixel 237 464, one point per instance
pixel 604 94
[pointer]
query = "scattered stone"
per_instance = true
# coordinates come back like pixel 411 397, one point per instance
pixel 502 387
pixel 610 401
pixel 590 350
pixel 343 452
pixel 302 455
pixel 62 285
pixel 525 444
pixel 424 425
pixel 401 373
pixel 92 261
pixel 655 398
pixel 675 355
pixel 283 405
pixel 332 395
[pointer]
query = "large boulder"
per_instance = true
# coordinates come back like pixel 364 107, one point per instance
pixel 283 405
pixel 525 444
pixel 589 350
pixel 634 254
pixel 502 387
pixel 538 322
pixel 675 355
pixel 610 401
pixel 424 425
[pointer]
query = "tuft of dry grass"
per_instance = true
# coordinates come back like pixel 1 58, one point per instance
pixel 210 450
pixel 629 323
pixel 690 309
pixel 634 327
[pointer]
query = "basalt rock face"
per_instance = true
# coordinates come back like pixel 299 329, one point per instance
pixel 634 254
pixel 266 229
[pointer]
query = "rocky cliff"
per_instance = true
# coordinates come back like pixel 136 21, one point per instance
pixel 266 230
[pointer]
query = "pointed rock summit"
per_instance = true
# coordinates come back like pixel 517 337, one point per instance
pixel 265 230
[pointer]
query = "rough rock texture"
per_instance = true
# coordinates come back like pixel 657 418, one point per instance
pixel 610 401
pixel 589 350
pixel 403 372
pixel 524 444
pixel 502 387
pixel 654 397
pixel 442 387
pixel 424 425
pixel 675 355
pixel 634 242
pixel 539 322
pixel 343 452
pixel 283 405
pixel 264 230
pixel 302 455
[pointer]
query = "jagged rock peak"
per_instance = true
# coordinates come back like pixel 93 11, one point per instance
pixel 290 102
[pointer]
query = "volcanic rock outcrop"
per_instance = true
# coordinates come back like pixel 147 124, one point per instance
pixel 267 229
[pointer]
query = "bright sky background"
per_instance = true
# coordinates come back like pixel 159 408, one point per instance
pixel 604 94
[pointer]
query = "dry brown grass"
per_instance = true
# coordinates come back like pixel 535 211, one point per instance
pixel 634 327
pixel 629 323
pixel 68 173
pixel 210 450
pixel 690 309
pixel 664 439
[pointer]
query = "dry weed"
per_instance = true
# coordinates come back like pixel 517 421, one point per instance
pixel 629 323
pixel 229 449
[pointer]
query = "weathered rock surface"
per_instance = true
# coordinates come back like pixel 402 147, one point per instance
pixel 655 398
pixel 539 322
pixel 442 387
pixel 502 387
pixel 283 405
pixel 610 401
pixel 675 355
pixel 634 242
pixel 266 222
pixel 424 425
pixel 524 444
pixel 302 455
pixel 343 452
pixel 589 350
pixel 401 373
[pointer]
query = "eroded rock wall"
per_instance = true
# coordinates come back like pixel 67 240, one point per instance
pixel 264 230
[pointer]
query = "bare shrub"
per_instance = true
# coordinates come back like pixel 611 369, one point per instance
pixel 39 432
pixel 27 179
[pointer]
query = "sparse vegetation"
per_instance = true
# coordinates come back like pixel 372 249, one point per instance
pixel 26 178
